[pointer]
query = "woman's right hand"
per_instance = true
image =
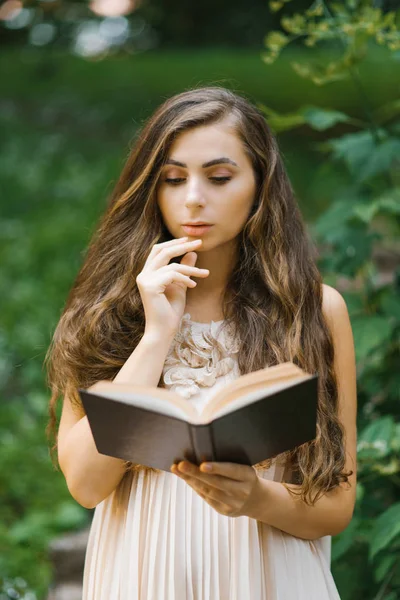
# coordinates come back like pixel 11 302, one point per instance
pixel 163 286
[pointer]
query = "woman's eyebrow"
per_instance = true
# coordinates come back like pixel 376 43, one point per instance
pixel 210 163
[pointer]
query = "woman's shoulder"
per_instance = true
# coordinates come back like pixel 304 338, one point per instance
pixel 333 303
pixel 334 309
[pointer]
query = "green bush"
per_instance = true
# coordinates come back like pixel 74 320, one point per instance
pixel 15 589
pixel 65 124
pixel 361 222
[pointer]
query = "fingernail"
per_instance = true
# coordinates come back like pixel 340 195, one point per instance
pixel 207 467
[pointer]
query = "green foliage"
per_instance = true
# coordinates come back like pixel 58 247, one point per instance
pixel 44 212
pixel 65 123
pixel 386 529
pixel 15 589
pixel 361 223
pixel 352 23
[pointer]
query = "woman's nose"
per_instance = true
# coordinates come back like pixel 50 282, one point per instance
pixel 194 194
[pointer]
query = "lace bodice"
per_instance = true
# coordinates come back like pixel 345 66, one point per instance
pixel 203 357
pixel 201 354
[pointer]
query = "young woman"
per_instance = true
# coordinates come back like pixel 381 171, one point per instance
pixel 163 300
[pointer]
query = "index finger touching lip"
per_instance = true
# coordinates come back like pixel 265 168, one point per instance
pixel 174 240
pixel 160 245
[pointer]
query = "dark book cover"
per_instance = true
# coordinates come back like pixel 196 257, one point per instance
pixel 250 434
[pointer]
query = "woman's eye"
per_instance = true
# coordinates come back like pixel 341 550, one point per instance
pixel 174 181
pixel 217 180
pixel 220 179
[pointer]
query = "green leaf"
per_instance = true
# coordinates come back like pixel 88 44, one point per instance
pixel 275 6
pixel 387 111
pixel 381 428
pixel 354 148
pixel 390 201
pixel 353 247
pixel 360 492
pixel 279 122
pixel 275 40
pixel 392 596
pixel 343 542
pixel 354 302
pixel 390 303
pixel 380 159
pixel 375 440
pixel 366 212
pixel 396 438
pixel 33 526
pixel 369 332
pixel 332 219
pixel 321 119
pixel 386 529
pixel 387 204
pixel 69 515
pixel 318 74
pixel 389 468
pixel 294 24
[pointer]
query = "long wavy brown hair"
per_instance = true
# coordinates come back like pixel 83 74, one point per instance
pixel 273 296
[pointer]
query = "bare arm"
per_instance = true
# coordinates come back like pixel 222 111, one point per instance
pixel 332 513
pixel 329 516
pixel 91 476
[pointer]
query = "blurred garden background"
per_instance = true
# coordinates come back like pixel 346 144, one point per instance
pixel 78 80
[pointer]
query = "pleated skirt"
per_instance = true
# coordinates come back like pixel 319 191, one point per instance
pixel 154 538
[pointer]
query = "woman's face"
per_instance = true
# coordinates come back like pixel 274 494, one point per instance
pixel 209 178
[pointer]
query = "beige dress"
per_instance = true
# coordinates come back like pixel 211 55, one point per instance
pixel 154 538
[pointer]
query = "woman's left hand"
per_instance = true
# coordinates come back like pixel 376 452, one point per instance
pixel 230 488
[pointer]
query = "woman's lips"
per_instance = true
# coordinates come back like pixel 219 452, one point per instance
pixel 196 229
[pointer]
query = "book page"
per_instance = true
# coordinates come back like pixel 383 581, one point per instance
pixel 226 399
pixel 280 375
pixel 156 399
pixel 265 381
pixel 252 396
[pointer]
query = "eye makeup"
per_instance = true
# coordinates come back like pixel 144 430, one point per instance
pixel 215 180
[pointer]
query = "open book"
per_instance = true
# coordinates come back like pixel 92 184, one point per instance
pixel 252 418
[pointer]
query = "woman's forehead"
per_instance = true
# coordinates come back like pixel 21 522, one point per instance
pixel 206 143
